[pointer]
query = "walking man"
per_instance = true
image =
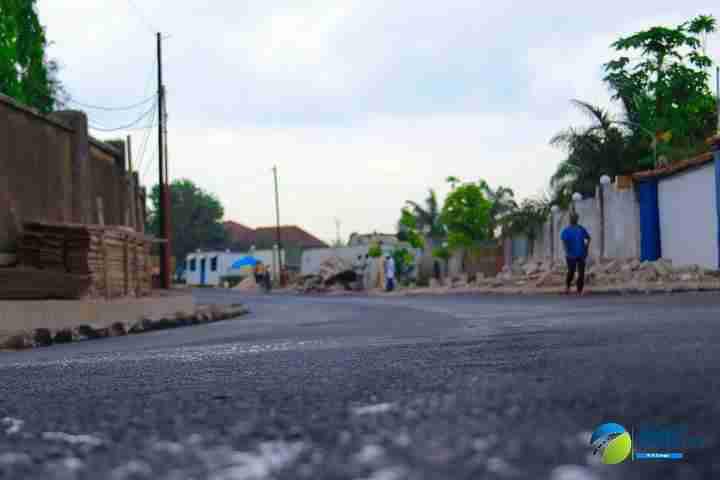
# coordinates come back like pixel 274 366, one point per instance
pixel 576 241
pixel 389 273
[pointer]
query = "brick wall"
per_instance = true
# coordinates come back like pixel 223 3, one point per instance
pixel 51 170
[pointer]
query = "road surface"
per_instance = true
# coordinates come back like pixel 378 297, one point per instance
pixel 371 388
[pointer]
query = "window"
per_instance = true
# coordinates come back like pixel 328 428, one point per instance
pixel 193 265
pixel 214 264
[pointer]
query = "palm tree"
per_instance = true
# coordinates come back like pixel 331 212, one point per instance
pixel 426 221
pixel 600 149
pixel 503 202
pixel 527 220
pixel 427 217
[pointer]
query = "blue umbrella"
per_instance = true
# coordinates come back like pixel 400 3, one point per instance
pixel 244 262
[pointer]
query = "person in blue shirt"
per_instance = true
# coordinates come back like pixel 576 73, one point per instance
pixel 577 244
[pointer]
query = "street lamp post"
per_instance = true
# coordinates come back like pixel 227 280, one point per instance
pixel 576 197
pixel 604 182
pixel 553 210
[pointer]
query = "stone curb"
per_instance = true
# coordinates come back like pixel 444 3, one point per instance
pixel 44 337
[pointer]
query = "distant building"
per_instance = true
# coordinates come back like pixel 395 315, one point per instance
pixel 357 239
pixel 294 240
pixel 209 267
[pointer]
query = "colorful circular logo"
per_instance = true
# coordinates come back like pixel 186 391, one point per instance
pixel 613 442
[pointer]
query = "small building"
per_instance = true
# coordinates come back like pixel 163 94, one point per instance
pixel 294 240
pixel 367 239
pixel 208 268
pixel 680 211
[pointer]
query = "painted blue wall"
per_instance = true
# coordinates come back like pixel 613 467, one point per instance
pixel 650 248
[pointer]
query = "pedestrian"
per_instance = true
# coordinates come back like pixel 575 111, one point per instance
pixel 576 241
pixel 267 281
pixel 261 276
pixel 389 274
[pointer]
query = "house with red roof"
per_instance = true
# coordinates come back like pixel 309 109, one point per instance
pixel 293 238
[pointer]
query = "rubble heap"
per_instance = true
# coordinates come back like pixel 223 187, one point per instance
pixel 332 271
pixel 605 272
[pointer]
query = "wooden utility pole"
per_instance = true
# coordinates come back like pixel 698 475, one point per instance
pixel 164 210
pixel 128 149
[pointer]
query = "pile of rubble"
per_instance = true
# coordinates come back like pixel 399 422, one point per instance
pixel 605 272
pixel 333 272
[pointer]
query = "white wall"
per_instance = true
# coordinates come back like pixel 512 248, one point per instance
pixel 622 226
pixel 225 261
pixel 688 218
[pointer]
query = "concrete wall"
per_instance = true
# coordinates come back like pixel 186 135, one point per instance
pixel 688 217
pixel 621 226
pixel 51 170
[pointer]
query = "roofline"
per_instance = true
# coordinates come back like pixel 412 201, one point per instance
pixel 676 168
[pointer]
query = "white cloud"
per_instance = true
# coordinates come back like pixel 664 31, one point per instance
pixel 362 104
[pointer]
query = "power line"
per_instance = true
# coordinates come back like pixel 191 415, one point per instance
pixel 151 158
pixel 146 140
pixel 128 126
pixel 113 109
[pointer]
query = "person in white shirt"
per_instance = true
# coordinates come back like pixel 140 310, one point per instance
pixel 389 273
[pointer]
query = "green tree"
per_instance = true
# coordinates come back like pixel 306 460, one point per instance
pixel 466 215
pixel 427 217
pixel 375 251
pixel 662 81
pixel 407 230
pixel 598 149
pixel 196 218
pixel 527 220
pixel 502 202
pixel 25 72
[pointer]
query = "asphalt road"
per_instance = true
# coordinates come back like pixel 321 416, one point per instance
pixel 371 388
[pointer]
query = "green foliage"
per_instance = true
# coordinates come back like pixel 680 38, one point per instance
pixel 442 253
pixel 407 229
pixel 25 73
pixel 661 80
pixel 404 261
pixel 453 181
pixel 502 202
pixel 425 216
pixel 527 219
pixel 196 217
pixel 667 88
pixel 467 215
pixel 599 149
pixel 375 251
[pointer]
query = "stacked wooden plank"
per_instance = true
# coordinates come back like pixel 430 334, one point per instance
pixel 117 259
pixel 32 284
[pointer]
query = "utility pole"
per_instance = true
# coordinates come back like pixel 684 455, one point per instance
pixel 128 149
pixel 277 230
pixel 164 210
pixel 337 231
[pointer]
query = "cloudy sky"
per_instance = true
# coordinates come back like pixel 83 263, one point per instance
pixel 362 104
